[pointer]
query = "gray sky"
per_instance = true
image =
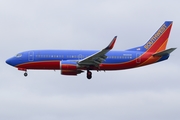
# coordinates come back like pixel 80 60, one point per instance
pixel 145 93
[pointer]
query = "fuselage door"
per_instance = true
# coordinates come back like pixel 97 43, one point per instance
pixel 80 56
pixel 31 56
pixel 138 58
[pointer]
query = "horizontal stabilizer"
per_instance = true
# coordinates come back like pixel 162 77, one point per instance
pixel 165 52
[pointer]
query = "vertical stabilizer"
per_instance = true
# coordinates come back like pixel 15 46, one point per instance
pixel 158 41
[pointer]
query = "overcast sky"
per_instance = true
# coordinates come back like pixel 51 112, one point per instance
pixel 146 93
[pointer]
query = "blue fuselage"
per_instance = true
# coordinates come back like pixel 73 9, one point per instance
pixel 35 59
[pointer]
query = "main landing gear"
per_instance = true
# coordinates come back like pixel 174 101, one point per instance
pixel 26 74
pixel 89 74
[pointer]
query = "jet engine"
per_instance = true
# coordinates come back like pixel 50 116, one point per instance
pixel 69 68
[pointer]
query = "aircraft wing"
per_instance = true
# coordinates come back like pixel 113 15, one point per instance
pixel 98 57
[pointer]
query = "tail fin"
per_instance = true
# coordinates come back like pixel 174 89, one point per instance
pixel 158 41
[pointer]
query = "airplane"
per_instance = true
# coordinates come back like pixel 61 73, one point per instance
pixel 74 62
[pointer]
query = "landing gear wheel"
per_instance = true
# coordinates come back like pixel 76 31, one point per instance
pixel 25 74
pixel 89 74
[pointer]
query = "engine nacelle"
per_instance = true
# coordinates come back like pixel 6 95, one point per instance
pixel 69 68
pixel 68 65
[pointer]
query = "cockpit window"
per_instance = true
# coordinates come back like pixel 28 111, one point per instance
pixel 18 55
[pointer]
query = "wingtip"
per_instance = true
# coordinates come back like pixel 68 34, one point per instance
pixel 111 45
pixel 114 39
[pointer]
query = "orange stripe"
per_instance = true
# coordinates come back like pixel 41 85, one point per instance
pixel 155 59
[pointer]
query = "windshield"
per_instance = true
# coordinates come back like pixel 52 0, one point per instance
pixel 18 55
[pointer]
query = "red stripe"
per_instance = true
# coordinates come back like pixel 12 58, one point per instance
pixel 41 65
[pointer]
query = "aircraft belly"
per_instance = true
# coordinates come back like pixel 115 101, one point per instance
pixel 54 65
pixel 114 67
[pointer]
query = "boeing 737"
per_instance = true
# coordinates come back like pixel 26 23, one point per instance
pixel 74 62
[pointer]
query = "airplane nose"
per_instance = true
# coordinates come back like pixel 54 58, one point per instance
pixel 9 61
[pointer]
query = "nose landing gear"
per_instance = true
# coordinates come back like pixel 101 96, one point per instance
pixel 89 74
pixel 24 69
